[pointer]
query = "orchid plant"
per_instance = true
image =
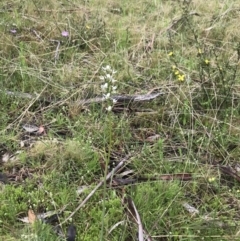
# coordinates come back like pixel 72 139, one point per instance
pixel 109 86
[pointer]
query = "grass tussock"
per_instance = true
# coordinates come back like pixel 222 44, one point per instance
pixel 58 61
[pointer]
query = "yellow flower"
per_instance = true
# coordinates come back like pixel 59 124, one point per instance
pixel 211 179
pixel 181 77
pixel 199 51
pixel 176 72
pixel 206 61
pixel 170 54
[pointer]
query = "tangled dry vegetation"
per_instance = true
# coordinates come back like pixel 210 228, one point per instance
pixel 119 120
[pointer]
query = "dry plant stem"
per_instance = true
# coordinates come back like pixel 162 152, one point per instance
pixel 138 220
pixel 37 35
pixel 134 215
pixel 57 49
pixel 110 175
pixel 149 238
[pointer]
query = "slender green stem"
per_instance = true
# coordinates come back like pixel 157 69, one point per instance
pixel 109 137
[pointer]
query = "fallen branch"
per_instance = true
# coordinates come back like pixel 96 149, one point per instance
pixel 227 170
pixel 122 98
pixel 118 98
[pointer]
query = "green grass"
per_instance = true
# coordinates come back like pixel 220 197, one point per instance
pixel 188 50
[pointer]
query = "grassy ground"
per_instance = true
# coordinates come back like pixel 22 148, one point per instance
pixel 188 51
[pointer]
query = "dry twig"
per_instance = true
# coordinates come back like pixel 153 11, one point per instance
pixel 110 175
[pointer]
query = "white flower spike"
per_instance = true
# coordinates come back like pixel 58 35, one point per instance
pixel 107 96
pixel 109 108
pixel 107 68
pixel 104 86
pixel 108 76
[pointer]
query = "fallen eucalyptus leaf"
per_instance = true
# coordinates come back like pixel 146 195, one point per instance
pixel 30 128
pixel 190 208
pixel 153 138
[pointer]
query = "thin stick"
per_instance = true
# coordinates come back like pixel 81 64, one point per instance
pixel 139 222
pixel 57 49
pixel 120 164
